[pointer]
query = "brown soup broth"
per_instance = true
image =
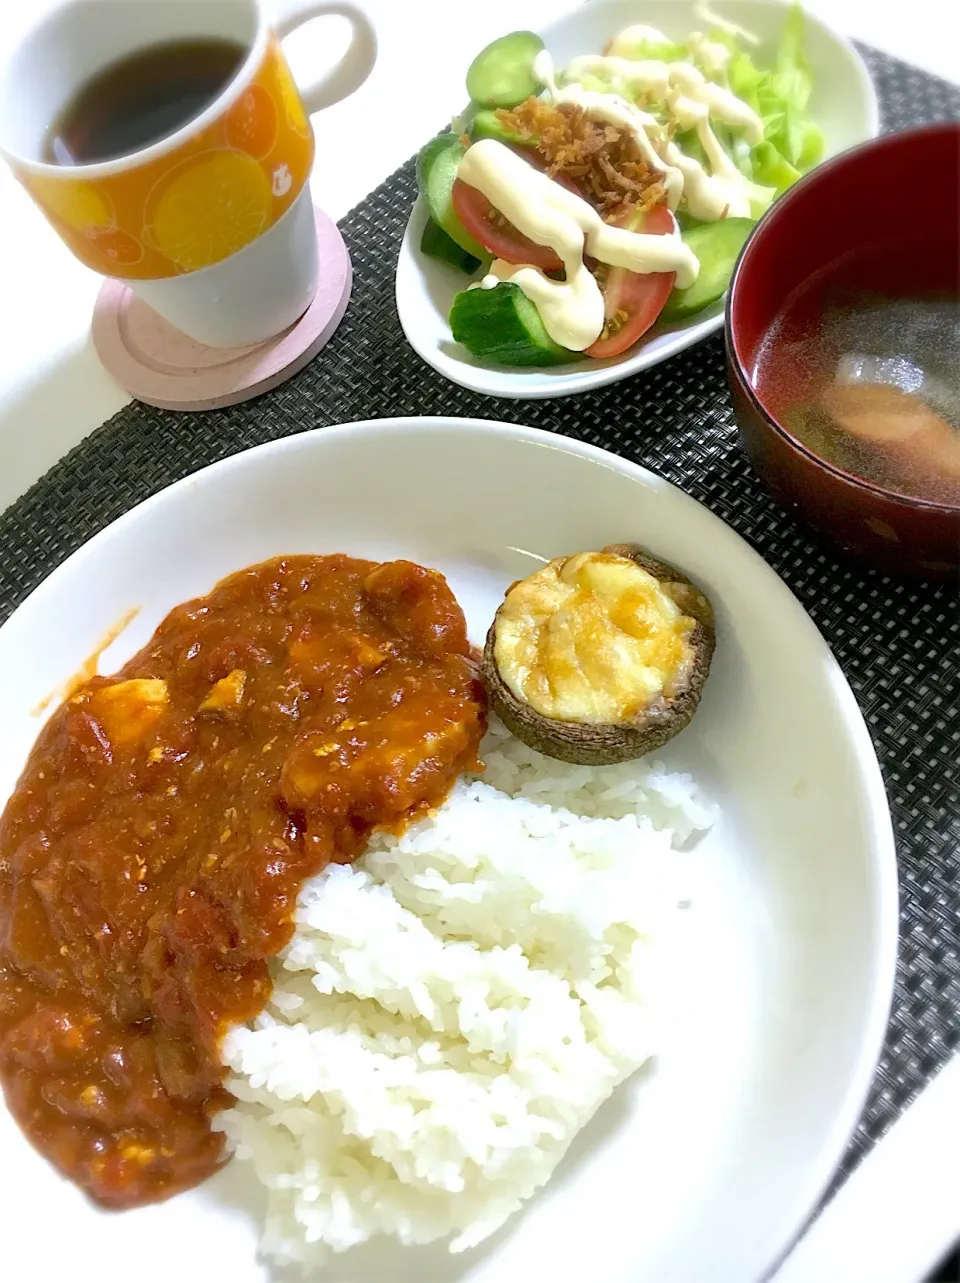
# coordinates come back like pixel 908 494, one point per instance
pixel 141 99
pixel 862 365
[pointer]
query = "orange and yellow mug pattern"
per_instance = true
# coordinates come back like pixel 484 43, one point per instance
pixel 197 204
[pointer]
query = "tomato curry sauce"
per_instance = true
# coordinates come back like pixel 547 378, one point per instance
pixel 152 853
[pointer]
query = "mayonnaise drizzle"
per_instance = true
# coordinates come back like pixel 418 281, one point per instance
pixel 639 34
pixel 549 214
pixel 571 310
pixel 703 13
pixel 691 100
pixel 684 87
pixel 713 55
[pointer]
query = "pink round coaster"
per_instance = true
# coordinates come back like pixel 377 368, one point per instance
pixel 161 366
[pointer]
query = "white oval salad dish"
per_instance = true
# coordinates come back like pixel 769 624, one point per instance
pixel 778 973
pixel 655 133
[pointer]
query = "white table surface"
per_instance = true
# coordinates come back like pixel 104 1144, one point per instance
pixel 53 392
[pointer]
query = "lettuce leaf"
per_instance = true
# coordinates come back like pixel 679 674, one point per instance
pixel 653 51
pixel 792 142
pixel 594 84
pixel 771 169
pixel 791 72
pixel 745 78
pixel 690 145
pixel 780 96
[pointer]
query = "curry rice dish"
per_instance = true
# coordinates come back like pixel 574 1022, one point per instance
pixel 164 995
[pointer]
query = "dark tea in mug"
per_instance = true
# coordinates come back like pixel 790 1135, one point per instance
pixel 141 98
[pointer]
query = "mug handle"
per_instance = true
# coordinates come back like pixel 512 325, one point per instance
pixel 355 65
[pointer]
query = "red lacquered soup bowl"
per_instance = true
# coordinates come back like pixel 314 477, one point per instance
pixel 875 195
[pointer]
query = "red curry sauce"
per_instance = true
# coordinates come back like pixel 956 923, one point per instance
pixel 151 855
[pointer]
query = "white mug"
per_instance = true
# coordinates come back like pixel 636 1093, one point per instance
pixel 212 226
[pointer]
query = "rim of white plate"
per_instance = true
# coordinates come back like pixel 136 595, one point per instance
pixel 818 1173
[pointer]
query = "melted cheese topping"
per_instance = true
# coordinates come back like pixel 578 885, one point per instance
pixel 592 638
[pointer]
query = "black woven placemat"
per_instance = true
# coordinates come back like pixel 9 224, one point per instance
pixel 898 644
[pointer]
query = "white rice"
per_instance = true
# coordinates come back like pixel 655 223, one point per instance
pixel 455 1006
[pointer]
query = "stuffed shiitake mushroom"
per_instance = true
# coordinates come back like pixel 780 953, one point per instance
pixel 599 657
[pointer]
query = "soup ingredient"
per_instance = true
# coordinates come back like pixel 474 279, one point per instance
pixel 599 657
pixel 861 365
pixel 151 854
pixel 717 247
pixel 502 325
pixel 898 372
pixel 502 74
pixel 883 414
pixel 453 1008
pixel 902 428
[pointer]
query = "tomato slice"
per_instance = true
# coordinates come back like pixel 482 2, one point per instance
pixel 494 232
pixel 632 301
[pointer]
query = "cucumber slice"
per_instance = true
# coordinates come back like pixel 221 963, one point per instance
pixel 502 74
pixel 437 244
pixel 717 246
pixel 427 155
pixel 437 172
pixel 460 124
pixel 486 124
pixel 501 324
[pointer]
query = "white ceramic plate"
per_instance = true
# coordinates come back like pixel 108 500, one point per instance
pixel 700 1170
pixel 843 104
